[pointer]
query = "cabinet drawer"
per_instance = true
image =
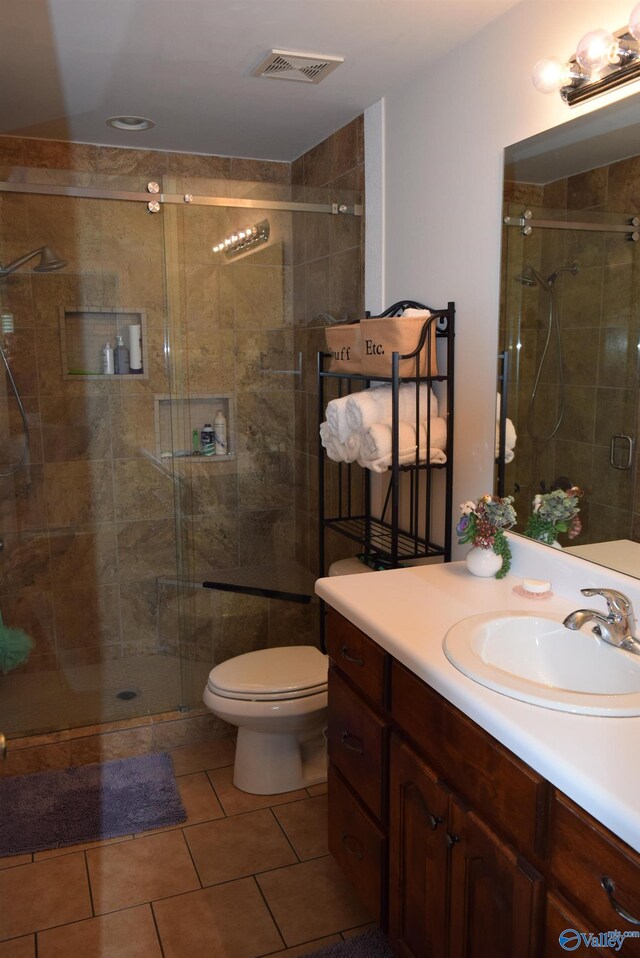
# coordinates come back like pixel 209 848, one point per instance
pixel 358 657
pixel 358 846
pixel 560 918
pixel 583 854
pixel 506 791
pixel 357 738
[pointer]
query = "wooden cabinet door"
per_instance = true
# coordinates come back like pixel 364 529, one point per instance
pixel 496 898
pixel 563 920
pixel 417 857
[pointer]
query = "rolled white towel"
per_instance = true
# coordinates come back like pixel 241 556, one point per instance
pixel 347 451
pixel 509 440
pixel 378 439
pixel 337 418
pixel 373 405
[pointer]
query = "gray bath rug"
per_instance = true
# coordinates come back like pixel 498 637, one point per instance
pixel 88 803
pixel 371 944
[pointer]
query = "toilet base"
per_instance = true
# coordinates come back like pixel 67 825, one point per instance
pixel 269 764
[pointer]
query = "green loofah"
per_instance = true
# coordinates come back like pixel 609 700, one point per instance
pixel 15 647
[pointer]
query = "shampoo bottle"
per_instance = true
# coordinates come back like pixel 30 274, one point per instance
pixel 220 429
pixel 121 357
pixel 135 349
pixel 107 360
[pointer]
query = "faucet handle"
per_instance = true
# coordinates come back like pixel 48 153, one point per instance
pixel 617 602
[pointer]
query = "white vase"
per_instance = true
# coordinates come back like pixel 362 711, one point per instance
pixel 483 562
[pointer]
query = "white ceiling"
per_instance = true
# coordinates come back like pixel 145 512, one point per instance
pixel 67 65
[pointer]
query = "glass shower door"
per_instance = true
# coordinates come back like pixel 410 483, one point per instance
pixel 251 287
pixel 87 520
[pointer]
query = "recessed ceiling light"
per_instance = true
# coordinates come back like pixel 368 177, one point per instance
pixel 130 123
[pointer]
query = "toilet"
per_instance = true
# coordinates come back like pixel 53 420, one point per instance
pixel 278 699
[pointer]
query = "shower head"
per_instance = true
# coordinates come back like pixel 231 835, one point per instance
pixel 49 262
pixel 573 268
pixel 531 277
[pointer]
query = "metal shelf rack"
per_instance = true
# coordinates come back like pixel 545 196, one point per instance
pixel 403 530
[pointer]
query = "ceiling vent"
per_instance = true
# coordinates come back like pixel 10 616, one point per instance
pixel 303 67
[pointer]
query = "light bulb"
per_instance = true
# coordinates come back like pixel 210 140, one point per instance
pixel 551 74
pixel 597 50
pixel 634 22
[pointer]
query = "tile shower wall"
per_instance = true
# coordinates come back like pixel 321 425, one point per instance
pixel 600 326
pixel 89 528
pixel 329 281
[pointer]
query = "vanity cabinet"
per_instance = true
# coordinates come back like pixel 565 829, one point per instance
pixel 455 845
pixel 357 736
pixel 455 887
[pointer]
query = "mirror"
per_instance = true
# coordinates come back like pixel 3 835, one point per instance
pixel 570 327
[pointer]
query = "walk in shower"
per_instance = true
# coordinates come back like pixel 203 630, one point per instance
pixel 113 518
pixel 569 334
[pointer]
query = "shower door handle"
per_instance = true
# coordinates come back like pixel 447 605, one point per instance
pixel 621 451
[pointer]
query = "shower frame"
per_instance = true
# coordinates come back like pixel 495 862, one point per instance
pixel 152 201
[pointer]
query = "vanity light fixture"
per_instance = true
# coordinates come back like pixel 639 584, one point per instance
pixel 243 240
pixel 602 62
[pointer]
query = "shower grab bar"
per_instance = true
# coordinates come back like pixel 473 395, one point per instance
pixel 619 441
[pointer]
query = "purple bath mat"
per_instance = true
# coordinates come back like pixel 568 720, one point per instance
pixel 371 944
pixel 88 803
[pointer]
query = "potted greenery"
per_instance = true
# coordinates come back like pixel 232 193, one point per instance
pixel 554 512
pixel 483 524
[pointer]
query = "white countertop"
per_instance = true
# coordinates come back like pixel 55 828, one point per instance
pixel 622 554
pixel 593 760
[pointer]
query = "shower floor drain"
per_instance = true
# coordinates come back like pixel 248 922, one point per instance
pixel 126 695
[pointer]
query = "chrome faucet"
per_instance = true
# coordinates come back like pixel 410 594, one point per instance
pixel 617 628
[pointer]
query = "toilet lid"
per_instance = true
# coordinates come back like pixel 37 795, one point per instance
pixel 289 672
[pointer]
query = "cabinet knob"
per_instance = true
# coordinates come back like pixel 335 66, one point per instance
pixel 451 839
pixel 352 742
pixel 352 846
pixel 347 654
pixel 609 886
pixel 434 821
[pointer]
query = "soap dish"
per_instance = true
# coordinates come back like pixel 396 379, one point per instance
pixel 524 594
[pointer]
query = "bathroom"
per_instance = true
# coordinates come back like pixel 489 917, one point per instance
pixel 212 522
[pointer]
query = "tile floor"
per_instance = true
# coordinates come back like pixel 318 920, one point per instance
pixel 245 876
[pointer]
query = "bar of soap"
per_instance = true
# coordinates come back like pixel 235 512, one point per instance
pixel 536 586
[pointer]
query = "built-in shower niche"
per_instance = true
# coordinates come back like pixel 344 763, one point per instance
pixel 84 331
pixel 177 419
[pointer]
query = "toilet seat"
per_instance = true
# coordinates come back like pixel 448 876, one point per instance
pixel 277 674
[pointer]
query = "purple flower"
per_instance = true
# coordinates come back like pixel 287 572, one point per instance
pixel 463 525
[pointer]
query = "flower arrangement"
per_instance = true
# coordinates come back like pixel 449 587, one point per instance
pixel 555 512
pixel 483 524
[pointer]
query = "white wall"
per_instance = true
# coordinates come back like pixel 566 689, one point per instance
pixel 444 133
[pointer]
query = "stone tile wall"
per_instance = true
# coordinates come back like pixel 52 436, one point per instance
pixel 329 279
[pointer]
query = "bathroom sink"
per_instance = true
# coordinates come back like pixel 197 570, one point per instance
pixel 536 659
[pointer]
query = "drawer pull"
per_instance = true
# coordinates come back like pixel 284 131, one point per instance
pixel 434 821
pixel 353 743
pixel 451 839
pixel 609 886
pixel 346 654
pixel 352 846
